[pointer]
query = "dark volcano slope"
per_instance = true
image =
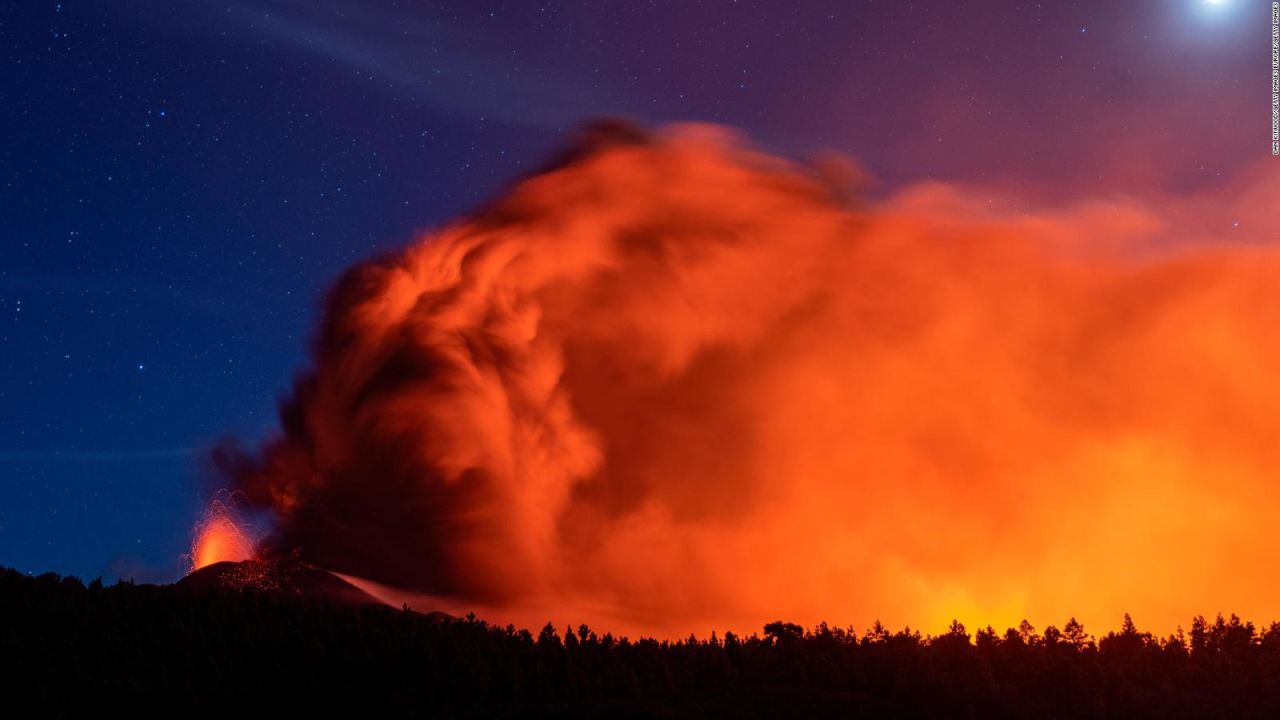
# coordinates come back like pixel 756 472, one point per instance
pixel 285 577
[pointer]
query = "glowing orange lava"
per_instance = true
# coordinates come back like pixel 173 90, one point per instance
pixel 219 538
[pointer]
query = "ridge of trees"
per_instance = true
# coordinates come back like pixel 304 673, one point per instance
pixel 68 647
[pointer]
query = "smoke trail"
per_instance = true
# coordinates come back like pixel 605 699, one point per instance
pixel 671 383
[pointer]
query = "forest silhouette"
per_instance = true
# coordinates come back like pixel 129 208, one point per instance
pixel 71 649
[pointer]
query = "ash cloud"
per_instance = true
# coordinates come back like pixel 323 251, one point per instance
pixel 673 383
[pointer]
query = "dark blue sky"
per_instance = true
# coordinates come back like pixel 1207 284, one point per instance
pixel 180 180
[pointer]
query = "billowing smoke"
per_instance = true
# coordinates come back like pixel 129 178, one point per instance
pixel 672 383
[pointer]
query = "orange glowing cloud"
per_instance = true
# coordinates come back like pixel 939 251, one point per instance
pixel 673 384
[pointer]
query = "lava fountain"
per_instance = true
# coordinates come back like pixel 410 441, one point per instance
pixel 220 537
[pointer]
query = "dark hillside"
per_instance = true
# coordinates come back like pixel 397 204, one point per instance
pixel 75 650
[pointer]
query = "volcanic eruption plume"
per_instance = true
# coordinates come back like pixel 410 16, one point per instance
pixel 673 384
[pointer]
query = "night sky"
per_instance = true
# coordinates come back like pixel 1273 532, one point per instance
pixel 181 181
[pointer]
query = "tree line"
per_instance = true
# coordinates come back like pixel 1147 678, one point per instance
pixel 71 649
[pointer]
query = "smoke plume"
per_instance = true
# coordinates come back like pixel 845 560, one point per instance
pixel 671 384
